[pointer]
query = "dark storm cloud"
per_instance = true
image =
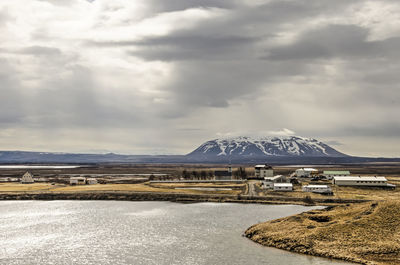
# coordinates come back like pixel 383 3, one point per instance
pixel 178 47
pixel 335 41
pixel 11 99
pixel 75 102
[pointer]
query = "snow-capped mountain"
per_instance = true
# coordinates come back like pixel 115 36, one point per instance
pixel 265 146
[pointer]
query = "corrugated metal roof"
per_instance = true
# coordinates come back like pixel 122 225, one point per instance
pixel 337 172
pixel 283 184
pixel 317 186
pixel 360 178
pixel 273 178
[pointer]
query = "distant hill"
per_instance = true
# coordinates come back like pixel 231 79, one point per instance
pixel 243 146
pixel 239 150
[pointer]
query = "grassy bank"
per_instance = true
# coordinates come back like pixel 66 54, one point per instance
pixel 367 233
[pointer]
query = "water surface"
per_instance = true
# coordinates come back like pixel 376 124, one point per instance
pixel 117 232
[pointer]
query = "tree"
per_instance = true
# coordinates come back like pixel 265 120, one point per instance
pixel 151 177
pixel 185 174
pixel 240 173
pixel 203 174
pixel 210 175
pixel 195 174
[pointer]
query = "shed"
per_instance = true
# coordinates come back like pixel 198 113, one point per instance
pixel 305 172
pixel 27 178
pixel 91 181
pixel 77 180
pixel 283 187
pixel 317 188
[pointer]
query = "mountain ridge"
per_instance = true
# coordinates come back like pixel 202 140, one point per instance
pixel 266 146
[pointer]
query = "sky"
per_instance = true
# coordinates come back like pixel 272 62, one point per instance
pixel 162 77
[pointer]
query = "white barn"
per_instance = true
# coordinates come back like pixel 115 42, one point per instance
pixel 305 172
pixel 262 171
pixel 366 181
pixel 283 187
pixel 317 188
pixel 77 180
pixel 27 178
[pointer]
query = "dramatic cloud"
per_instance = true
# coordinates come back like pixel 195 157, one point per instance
pixel 147 77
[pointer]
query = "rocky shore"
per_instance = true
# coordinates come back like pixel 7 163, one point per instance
pixel 367 233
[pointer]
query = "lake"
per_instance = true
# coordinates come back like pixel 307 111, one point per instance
pixel 36 167
pixel 120 232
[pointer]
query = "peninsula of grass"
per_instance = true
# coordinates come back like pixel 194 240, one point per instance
pixel 367 233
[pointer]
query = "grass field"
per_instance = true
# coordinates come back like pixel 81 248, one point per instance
pixel 44 187
pixel 367 233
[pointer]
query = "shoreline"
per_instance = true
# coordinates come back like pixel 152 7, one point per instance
pixel 173 197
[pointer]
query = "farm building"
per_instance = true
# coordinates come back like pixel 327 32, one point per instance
pixel 27 178
pixel 283 186
pixel 329 174
pixel 268 182
pixel 275 179
pixel 366 181
pixel 77 180
pixel 91 181
pixel 262 171
pixel 317 188
pixel 305 172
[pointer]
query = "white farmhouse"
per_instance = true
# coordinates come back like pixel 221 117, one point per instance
pixel 366 181
pixel 262 171
pixel 77 180
pixel 317 188
pixel 27 178
pixel 91 181
pixel 305 172
pixel 283 187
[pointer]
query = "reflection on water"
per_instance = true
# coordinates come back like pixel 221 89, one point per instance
pixel 114 232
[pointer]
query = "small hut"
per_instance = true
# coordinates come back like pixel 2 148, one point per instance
pixel 27 178
pixel 91 181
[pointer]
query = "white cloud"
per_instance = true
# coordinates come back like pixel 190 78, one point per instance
pixel 283 132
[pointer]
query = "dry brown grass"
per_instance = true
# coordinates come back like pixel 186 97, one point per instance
pixel 366 233
pixel 18 187
pixel 45 187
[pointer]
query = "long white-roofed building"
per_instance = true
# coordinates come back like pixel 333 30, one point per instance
pixel 366 181
pixel 283 187
pixel 324 189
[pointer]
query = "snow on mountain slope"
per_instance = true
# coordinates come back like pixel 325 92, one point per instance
pixel 265 146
